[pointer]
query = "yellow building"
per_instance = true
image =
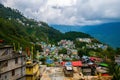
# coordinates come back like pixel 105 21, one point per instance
pixel 32 71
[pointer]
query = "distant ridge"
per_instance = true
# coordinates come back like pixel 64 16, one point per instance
pixel 107 32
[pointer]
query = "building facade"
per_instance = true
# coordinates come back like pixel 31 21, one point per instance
pixel 12 64
pixel 32 71
pixel 117 59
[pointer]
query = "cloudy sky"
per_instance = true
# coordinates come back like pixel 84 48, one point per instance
pixel 68 12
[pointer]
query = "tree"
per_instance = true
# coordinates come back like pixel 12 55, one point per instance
pixel 38 47
pixel 79 44
pixel 118 51
pixel 43 60
pixel 63 51
pixel 81 52
pixel 116 73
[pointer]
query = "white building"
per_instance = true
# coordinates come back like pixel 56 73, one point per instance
pixel 12 64
pixel 87 40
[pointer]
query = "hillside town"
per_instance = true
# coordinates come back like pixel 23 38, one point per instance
pixel 61 62
pixel 59 40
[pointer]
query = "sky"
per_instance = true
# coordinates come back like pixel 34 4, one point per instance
pixel 68 12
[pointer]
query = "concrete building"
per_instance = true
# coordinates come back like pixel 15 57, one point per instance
pixel 12 64
pixel 32 71
pixel 87 40
pixel 117 59
pixel 86 70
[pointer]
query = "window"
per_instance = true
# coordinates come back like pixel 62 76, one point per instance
pixel 29 69
pixel 5 77
pixel 24 59
pixel 16 60
pixel 13 72
pixel 5 63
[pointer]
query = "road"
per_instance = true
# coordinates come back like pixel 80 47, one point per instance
pixel 56 73
pixel 53 73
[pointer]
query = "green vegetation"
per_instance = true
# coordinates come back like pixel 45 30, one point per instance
pixel 63 51
pixel 21 31
pixel 11 32
pixel 15 28
pixel 116 72
pixel 72 35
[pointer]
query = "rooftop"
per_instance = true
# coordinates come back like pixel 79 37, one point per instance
pixel 11 56
pixel 69 68
pixel 30 63
pixel 5 46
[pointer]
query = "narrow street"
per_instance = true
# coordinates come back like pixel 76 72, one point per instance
pixel 53 73
pixel 56 73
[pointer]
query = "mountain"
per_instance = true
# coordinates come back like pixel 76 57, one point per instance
pixel 15 28
pixel 106 33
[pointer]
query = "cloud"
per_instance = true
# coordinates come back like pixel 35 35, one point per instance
pixel 69 12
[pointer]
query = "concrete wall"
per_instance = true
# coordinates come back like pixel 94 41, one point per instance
pixel 8 50
pixel 9 76
pixel 20 70
pixel 12 65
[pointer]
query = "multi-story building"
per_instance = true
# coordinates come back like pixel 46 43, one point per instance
pixel 117 59
pixel 12 64
pixel 87 40
pixel 32 71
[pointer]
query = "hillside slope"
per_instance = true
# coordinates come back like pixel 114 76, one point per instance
pixel 15 28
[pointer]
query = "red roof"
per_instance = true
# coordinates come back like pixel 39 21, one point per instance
pixel 95 59
pixel 63 63
pixel 74 63
pixel 105 74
